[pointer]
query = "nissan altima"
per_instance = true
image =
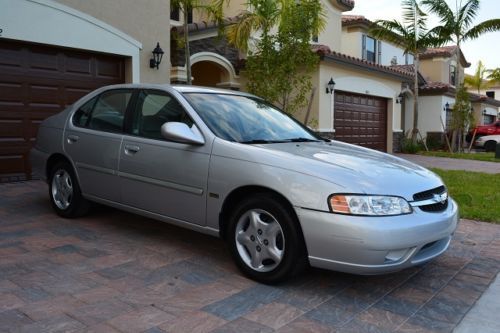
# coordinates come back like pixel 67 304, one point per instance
pixel 231 165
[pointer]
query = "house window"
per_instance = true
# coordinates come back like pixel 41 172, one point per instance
pixel 490 94
pixel 453 75
pixel 449 118
pixel 488 119
pixel 371 49
pixel 175 14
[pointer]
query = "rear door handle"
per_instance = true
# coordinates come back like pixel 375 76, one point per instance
pixel 131 149
pixel 73 138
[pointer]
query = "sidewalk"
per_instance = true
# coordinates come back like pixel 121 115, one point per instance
pixel 483 316
pixel 452 163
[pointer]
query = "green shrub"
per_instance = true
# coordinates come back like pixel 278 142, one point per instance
pixel 408 147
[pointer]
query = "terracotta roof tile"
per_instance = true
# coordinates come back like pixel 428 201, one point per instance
pixel 348 20
pixel 349 4
pixel 367 64
pixel 443 51
pixel 203 25
pixel 435 86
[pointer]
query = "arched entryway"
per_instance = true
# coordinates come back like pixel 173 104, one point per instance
pixel 208 74
pixel 213 70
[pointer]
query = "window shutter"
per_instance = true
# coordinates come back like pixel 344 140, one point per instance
pixel 363 43
pixel 379 52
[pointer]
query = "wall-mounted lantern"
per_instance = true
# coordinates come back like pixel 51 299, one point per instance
pixel 330 86
pixel 157 55
pixel 446 107
pixel 399 98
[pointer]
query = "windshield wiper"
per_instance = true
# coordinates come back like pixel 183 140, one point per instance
pixel 262 141
pixel 302 140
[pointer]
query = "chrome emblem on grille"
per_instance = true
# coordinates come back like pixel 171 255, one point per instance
pixel 440 198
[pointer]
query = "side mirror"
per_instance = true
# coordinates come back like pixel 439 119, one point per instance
pixel 180 132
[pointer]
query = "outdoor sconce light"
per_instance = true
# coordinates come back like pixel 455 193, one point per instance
pixel 329 86
pixel 157 55
pixel 484 112
pixel 447 106
pixel 399 98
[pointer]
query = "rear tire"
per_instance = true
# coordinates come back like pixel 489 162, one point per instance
pixel 265 239
pixel 490 145
pixel 64 192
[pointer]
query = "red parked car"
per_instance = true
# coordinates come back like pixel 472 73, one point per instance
pixel 490 129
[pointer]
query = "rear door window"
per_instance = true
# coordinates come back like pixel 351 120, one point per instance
pixel 105 112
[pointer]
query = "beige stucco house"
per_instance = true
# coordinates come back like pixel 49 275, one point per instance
pixel 363 107
pixel 439 69
pixel 52 52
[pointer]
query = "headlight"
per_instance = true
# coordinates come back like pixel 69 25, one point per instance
pixel 373 205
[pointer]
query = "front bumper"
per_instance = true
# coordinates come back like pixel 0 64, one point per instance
pixel 376 245
pixel 479 144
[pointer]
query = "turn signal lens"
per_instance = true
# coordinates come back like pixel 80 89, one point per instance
pixel 339 204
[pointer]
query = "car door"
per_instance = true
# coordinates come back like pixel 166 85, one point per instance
pixel 93 139
pixel 161 176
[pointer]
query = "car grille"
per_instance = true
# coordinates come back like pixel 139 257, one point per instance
pixel 426 195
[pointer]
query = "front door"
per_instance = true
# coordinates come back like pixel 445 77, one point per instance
pixel 160 176
pixel 93 140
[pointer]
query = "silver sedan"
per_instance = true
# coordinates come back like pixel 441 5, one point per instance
pixel 229 164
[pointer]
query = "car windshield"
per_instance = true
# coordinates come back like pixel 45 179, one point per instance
pixel 247 120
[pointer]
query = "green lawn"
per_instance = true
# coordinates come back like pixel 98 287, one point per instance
pixel 488 157
pixel 477 193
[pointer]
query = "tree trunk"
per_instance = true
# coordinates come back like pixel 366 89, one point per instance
pixel 415 99
pixel 187 52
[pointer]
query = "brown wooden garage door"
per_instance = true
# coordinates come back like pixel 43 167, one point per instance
pixel 37 81
pixel 361 120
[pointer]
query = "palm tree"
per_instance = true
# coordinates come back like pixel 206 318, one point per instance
pixel 494 75
pixel 456 25
pixel 263 16
pixel 477 81
pixel 214 11
pixel 412 35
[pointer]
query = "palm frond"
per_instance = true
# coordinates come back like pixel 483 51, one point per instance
pixel 494 74
pixel 467 13
pixel 481 28
pixel 238 34
pixel 392 31
pixel 441 9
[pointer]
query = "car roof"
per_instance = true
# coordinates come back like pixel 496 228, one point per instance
pixel 181 88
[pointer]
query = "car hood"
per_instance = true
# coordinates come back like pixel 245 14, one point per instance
pixel 352 169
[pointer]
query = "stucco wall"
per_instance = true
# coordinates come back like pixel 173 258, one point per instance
pixel 331 35
pixel 352 44
pixel 430 109
pixel 437 69
pixel 146 21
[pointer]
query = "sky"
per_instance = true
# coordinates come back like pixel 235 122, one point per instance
pixel 486 48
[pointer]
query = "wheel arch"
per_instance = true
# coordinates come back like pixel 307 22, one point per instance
pixel 53 160
pixel 240 193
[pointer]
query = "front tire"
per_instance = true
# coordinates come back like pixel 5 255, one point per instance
pixel 64 192
pixel 490 145
pixel 265 239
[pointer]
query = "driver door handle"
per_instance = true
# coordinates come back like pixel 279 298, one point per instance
pixel 131 150
pixel 73 138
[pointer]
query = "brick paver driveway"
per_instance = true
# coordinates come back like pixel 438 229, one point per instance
pixel 117 272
